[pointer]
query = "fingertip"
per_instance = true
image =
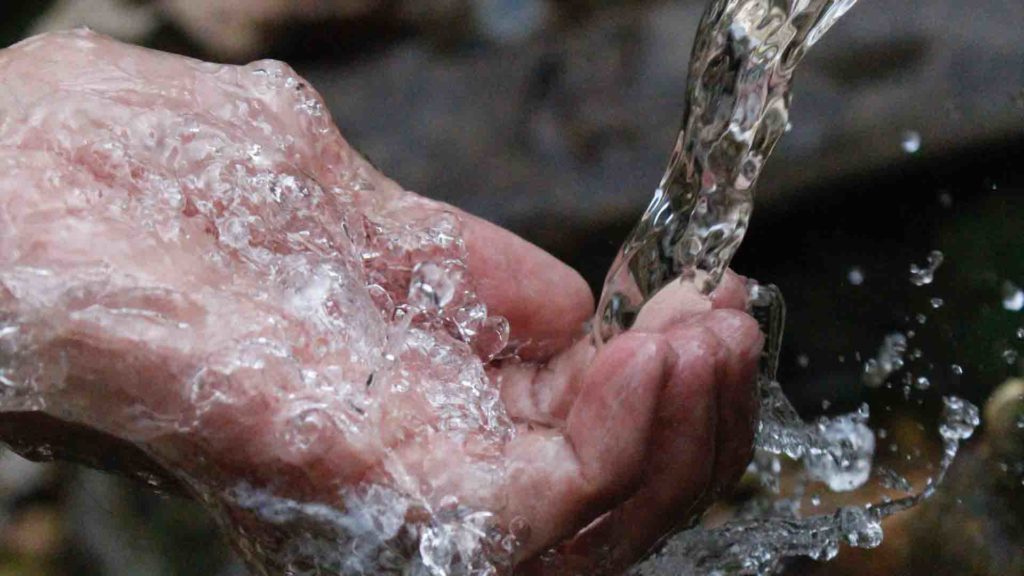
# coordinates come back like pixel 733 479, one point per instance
pixel 610 423
pixel 675 303
pixel 740 334
pixel 737 393
pixel 731 292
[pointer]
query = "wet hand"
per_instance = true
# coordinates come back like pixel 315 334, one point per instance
pixel 194 261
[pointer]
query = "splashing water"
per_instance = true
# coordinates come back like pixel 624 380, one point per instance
pixel 737 108
pixel 925 275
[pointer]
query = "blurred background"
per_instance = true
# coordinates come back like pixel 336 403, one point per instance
pixel 555 118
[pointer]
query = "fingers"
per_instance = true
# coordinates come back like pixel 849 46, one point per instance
pixel 545 301
pixel 699 444
pixel 737 394
pixel 559 482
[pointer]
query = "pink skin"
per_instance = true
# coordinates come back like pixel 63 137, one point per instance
pixel 615 446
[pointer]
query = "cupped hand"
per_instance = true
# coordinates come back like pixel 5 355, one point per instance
pixel 193 260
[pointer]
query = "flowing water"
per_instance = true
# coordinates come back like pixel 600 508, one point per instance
pixel 402 363
pixel 737 108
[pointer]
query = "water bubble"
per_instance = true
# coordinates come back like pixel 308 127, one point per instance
pixel 1013 297
pixel 1020 333
pixel 922 383
pixel 945 199
pixel 855 276
pixel 803 360
pixel 432 286
pixel 921 319
pixel 957 369
pixel 922 276
pixel 911 142
pixel 815 500
pixel 936 303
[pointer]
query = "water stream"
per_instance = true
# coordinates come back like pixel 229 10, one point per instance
pixel 379 340
pixel 737 108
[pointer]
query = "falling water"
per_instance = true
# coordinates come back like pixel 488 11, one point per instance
pixel 737 108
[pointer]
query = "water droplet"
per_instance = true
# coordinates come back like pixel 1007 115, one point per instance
pixel 957 369
pixel 803 361
pixel 1020 333
pixel 922 383
pixel 855 276
pixel 888 360
pixel 432 286
pixel 959 419
pixel 945 199
pixel 893 480
pixel 921 319
pixel 1013 297
pixel 1010 356
pixel 844 464
pixel 911 142
pixel 922 276
pixel 815 500
pixel 860 527
pixel 937 303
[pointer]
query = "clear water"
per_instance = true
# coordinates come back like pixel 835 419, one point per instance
pixel 275 205
pixel 739 90
pixel 737 108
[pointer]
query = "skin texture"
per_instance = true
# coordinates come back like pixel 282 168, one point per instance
pixel 122 270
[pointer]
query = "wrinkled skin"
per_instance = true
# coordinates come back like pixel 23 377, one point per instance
pixel 153 290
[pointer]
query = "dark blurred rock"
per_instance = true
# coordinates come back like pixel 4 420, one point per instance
pixel 562 134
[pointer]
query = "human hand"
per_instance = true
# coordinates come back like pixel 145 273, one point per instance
pixel 194 261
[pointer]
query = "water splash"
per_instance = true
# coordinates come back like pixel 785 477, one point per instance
pixel 737 108
pixel 925 275
pixel 890 359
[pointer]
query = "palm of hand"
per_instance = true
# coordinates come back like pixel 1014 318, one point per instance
pixel 195 261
